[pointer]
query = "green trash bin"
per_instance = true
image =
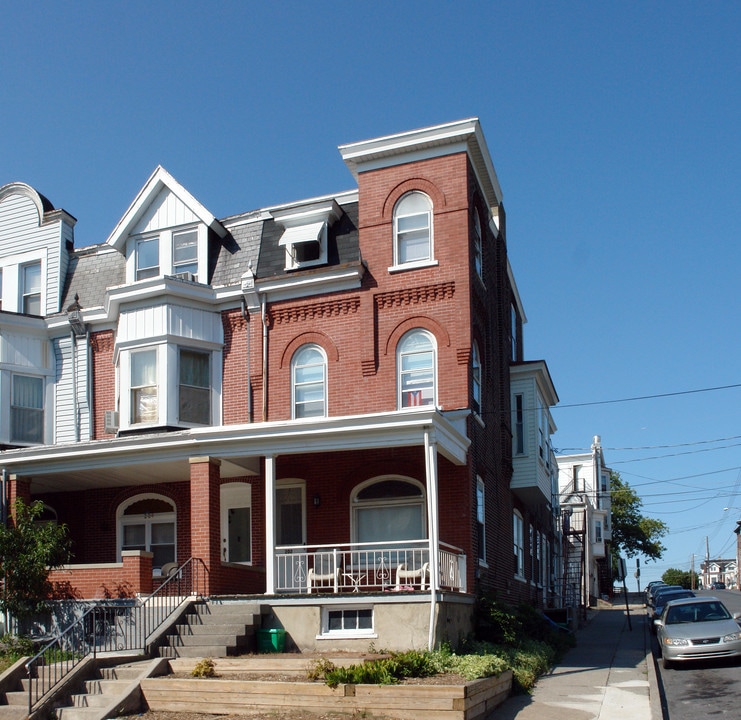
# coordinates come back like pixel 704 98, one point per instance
pixel 271 640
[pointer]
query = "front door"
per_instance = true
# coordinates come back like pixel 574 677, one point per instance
pixel 290 529
pixel 236 522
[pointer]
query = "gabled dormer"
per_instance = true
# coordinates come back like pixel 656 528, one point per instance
pixel 34 241
pixel 165 232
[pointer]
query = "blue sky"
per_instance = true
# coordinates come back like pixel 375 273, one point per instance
pixel 614 128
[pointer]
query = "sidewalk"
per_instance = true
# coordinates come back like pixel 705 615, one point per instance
pixel 609 675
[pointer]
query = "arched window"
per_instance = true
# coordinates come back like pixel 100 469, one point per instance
pixel 416 367
pixel 477 243
pixel 387 509
pixel 309 382
pixel 476 377
pixel 147 522
pixel 413 229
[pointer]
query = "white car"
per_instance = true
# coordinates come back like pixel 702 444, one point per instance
pixel 699 628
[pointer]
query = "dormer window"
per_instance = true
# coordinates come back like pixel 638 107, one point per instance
pixel 147 258
pixel 31 288
pixel 185 252
pixel 305 234
pixel 305 245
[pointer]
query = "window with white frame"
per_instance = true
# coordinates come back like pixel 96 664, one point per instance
pixel 31 288
pixel 481 518
pixel 519 439
pixel 388 509
pixel 27 409
pixel 147 258
pixel 416 360
pixel 413 229
pixel 195 387
pixel 309 382
pixel 348 621
pixel 513 333
pixel 306 245
pixel 519 544
pixel 144 390
pixel 476 377
pixel 598 531
pixel 477 243
pixel 147 522
pixel 185 252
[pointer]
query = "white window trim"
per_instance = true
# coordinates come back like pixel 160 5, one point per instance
pixel 46 409
pixel 186 423
pixel 120 522
pixel 325 388
pixel 481 487
pixel 516 515
pixel 325 633
pixel 299 234
pixel 414 264
pixel 165 245
pixel 399 401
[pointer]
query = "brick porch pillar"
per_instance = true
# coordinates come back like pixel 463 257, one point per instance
pixel 18 487
pixel 205 520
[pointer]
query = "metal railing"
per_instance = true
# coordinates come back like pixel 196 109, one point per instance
pixel 366 567
pixel 111 626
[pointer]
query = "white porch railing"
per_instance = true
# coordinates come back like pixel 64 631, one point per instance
pixel 367 567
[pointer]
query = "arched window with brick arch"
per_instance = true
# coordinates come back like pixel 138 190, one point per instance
pixel 148 522
pixel 309 382
pixel 413 229
pixel 416 362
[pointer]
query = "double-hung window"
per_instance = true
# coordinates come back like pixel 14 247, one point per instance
pixel 27 410
pixel 519 544
pixel 481 518
pixel 148 523
pixel 309 382
pixel 31 288
pixel 477 243
pixel 413 229
pixel 476 377
pixel 147 258
pixel 144 400
pixel 416 368
pixel 185 252
pixel 195 387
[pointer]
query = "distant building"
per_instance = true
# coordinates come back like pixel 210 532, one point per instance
pixel 584 492
pixel 723 570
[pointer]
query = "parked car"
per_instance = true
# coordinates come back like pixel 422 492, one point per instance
pixel 699 628
pixel 662 599
pixel 718 586
pixel 649 589
pixel 656 594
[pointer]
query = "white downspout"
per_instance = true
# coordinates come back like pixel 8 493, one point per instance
pixel 270 524
pixel 432 521
pixel 263 312
pixel 75 401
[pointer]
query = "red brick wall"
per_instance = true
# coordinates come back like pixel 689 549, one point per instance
pixel 104 380
pixel 120 580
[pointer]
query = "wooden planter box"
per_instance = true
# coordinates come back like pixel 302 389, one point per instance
pixel 474 699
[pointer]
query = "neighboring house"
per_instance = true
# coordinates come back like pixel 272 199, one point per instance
pixel 584 489
pixel 311 401
pixel 723 570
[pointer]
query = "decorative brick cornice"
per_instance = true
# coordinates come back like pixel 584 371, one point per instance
pixel 102 341
pixel 415 295
pixel 300 313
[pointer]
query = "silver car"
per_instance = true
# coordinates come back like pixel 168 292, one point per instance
pixel 699 628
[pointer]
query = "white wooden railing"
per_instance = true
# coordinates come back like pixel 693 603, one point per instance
pixel 367 567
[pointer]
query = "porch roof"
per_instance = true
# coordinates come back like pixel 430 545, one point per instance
pixel 164 457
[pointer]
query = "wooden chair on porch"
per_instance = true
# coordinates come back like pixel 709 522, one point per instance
pixel 407 577
pixel 325 573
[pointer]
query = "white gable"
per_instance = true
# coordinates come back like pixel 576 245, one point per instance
pixel 165 210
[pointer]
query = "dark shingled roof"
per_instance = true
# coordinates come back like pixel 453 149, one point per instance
pixel 91 270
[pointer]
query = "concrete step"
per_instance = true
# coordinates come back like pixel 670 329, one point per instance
pixel 198 651
pixel 214 629
pixel 17 698
pixel 13 712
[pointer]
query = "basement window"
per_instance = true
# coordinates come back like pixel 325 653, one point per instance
pixel 347 622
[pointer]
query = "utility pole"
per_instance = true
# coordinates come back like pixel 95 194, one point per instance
pixel 692 573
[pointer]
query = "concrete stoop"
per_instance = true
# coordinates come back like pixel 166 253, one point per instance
pixel 214 630
pixel 112 691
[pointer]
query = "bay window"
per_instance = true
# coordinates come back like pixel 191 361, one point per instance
pixel 144 400
pixel 195 387
pixel 27 410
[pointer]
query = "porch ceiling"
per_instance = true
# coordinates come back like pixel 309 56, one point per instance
pixel 164 457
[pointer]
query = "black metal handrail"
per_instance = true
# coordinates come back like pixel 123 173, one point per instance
pixel 112 626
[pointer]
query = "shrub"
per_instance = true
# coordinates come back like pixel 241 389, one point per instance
pixel 204 669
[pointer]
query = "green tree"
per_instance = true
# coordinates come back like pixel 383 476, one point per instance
pixel 632 532
pixel 29 548
pixel 683 578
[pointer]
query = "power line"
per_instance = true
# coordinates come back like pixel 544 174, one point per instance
pixel 648 397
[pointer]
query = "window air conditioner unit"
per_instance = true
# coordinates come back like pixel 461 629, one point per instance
pixel 111 421
pixel 187 276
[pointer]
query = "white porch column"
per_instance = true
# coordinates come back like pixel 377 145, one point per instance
pixel 269 524
pixel 433 528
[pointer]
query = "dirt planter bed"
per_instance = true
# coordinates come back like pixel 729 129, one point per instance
pixel 467 701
